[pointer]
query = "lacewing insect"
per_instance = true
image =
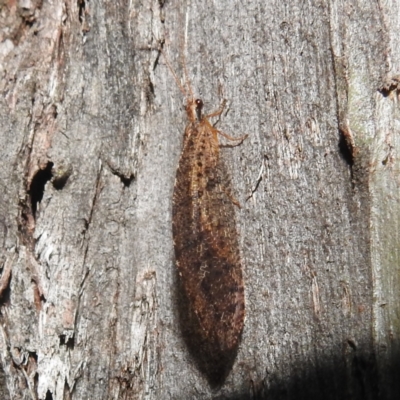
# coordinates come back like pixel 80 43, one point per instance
pixel 206 243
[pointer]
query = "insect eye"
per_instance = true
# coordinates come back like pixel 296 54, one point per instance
pixel 199 104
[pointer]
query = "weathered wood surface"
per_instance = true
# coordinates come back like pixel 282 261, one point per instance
pixel 91 127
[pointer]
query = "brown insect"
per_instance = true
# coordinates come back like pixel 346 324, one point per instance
pixel 206 244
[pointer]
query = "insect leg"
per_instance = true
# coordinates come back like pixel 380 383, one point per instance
pixel 238 139
pixel 218 112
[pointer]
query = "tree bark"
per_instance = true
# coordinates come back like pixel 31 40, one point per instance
pixel 92 125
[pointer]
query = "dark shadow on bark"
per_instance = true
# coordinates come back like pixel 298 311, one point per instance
pixel 355 378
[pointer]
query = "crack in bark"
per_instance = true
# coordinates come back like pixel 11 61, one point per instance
pixel 98 189
pixel 6 276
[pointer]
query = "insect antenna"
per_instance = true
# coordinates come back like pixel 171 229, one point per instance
pixel 185 70
pixel 178 82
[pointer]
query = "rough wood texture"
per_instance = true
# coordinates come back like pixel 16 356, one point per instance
pixel 91 128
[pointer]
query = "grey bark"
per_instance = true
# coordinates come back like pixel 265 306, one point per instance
pixel 91 128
